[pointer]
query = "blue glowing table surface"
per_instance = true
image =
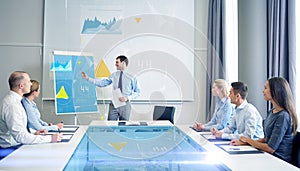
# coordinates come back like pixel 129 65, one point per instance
pixel 139 148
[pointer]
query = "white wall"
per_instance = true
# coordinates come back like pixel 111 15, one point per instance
pixel 20 39
pixel 21 49
pixel 253 49
pixel 21 44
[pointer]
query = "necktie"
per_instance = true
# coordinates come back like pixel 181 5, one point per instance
pixel 120 81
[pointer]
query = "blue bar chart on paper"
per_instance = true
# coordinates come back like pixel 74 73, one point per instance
pixel 72 93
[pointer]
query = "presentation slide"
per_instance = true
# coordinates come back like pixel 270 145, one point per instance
pixel 156 36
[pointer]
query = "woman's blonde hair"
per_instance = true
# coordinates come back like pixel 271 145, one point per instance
pixel 34 87
pixel 223 86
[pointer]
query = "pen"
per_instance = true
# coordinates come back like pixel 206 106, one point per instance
pixel 59 130
pixel 62 121
pixel 234 148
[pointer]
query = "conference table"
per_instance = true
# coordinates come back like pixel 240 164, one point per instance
pixel 56 156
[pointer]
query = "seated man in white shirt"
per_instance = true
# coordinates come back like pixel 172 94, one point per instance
pixel 247 121
pixel 13 119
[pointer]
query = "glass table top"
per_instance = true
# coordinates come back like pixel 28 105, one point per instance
pixel 139 148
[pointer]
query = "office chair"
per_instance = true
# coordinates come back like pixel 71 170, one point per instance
pixel 296 150
pixel 164 113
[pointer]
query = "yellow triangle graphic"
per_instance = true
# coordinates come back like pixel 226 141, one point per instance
pixel 118 146
pixel 102 70
pixel 137 20
pixel 62 94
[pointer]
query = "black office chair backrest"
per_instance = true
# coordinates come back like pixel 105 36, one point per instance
pixel 296 150
pixel 164 113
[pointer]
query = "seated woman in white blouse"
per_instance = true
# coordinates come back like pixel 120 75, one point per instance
pixel 223 109
pixel 33 115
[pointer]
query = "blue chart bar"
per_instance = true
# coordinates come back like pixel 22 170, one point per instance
pixel 72 93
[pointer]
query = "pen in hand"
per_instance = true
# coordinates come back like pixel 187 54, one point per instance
pixel 61 124
pixel 213 130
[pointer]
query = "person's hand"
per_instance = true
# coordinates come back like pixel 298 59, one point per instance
pixel 41 131
pixel 123 99
pixel 216 133
pixel 213 130
pixel 198 126
pixel 56 137
pixel 237 142
pixel 244 139
pixel 60 125
pixel 84 75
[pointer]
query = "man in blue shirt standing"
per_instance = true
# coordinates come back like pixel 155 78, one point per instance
pixel 247 121
pixel 128 85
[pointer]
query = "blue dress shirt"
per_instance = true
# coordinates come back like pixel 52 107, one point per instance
pixel 222 115
pixel 34 116
pixel 246 121
pixel 130 86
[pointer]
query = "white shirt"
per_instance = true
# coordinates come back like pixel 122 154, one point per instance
pixel 13 123
pixel 247 121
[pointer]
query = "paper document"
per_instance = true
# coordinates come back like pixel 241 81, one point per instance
pixel 213 138
pixel 208 136
pixel 71 126
pixel 245 149
pixel 238 148
pixel 132 123
pixel 65 137
pixel 115 99
pixel 68 129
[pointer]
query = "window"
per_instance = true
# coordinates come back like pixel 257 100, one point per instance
pixel 231 32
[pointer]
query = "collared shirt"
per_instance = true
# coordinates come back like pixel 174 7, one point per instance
pixel 131 88
pixel 247 121
pixel 34 116
pixel 222 115
pixel 279 136
pixel 13 122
